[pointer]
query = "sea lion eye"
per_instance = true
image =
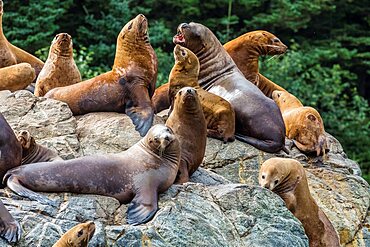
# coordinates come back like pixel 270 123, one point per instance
pixel 276 181
pixel 263 177
pixel 130 26
pixel 183 53
pixel 80 232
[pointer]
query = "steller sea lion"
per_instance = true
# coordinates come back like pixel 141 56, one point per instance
pixel 189 125
pixel 219 114
pixel 16 77
pixel 60 68
pixel 10 156
pixel 138 174
pixel 287 178
pixel 245 51
pixel 303 124
pixel 77 236
pixel 258 119
pixel 11 55
pixel 160 98
pixel 33 152
pixel 127 88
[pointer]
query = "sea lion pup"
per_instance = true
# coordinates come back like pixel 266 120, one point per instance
pixel 160 98
pixel 11 55
pixel 127 88
pixel 287 178
pixel 189 125
pixel 219 114
pixel 33 152
pixel 147 168
pixel 16 77
pixel 60 68
pixel 77 236
pixel 258 119
pixel 245 51
pixel 303 124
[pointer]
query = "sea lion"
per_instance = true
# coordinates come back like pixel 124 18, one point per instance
pixel 258 119
pixel 287 178
pixel 147 168
pixel 11 55
pixel 60 69
pixel 160 98
pixel 16 77
pixel 189 125
pixel 127 88
pixel 303 124
pixel 33 152
pixel 10 156
pixel 245 51
pixel 77 236
pixel 219 114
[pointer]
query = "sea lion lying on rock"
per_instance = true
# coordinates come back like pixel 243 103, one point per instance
pixel 77 236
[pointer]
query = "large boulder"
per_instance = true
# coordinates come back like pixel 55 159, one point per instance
pixel 211 210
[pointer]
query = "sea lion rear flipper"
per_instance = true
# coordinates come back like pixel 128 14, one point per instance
pixel 143 207
pixel 9 227
pixel 14 184
pixel 268 146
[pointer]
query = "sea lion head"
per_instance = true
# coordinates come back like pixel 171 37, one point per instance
pixel 187 99
pixel 266 43
pixel 285 100
pixel 280 174
pixel 26 140
pixel 81 234
pixel 194 36
pixel 134 31
pixel 186 60
pixel 159 137
pixel 62 45
pixel 1 7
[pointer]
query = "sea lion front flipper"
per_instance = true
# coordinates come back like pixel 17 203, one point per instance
pixel 9 227
pixel 14 184
pixel 139 108
pixel 143 206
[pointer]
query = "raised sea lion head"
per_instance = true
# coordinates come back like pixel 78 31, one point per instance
pixel 159 137
pixel 186 59
pixel 26 140
pixel 62 45
pixel 280 174
pixel 194 36
pixel 187 99
pixel 79 235
pixel 285 100
pixel 266 43
pixel 135 30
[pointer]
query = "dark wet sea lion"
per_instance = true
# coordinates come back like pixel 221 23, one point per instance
pixel 245 51
pixel 77 236
pixel 33 152
pixel 127 88
pixel 60 69
pixel 189 125
pixel 287 178
pixel 137 174
pixel 258 119
pixel 219 114
pixel 303 124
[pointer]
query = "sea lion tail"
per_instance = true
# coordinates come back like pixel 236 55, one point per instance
pixel 268 146
pixel 13 183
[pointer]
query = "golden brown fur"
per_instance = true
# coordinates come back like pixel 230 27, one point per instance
pixel 188 123
pixel 303 124
pixel 287 178
pixel 60 68
pixel 16 77
pixel 245 51
pixel 219 114
pixel 160 98
pixel 77 236
pixel 127 88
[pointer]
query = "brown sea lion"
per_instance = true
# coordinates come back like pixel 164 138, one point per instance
pixel 219 114
pixel 16 77
pixel 10 156
pixel 33 152
pixel 160 98
pixel 303 124
pixel 10 54
pixel 60 69
pixel 287 178
pixel 258 119
pixel 147 168
pixel 188 123
pixel 245 51
pixel 127 88
pixel 77 236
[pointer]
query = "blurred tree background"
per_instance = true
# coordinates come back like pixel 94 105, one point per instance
pixel 327 65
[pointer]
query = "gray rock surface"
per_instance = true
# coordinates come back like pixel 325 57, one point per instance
pixel 209 211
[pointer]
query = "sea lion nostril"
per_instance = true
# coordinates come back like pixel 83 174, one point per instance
pixel 189 90
pixel 167 138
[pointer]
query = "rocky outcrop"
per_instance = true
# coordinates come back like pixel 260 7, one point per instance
pixel 211 210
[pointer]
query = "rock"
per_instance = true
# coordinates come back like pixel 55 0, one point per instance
pixel 208 211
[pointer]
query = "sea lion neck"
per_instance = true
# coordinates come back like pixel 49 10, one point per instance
pixel 61 51
pixel 171 152
pixel 2 36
